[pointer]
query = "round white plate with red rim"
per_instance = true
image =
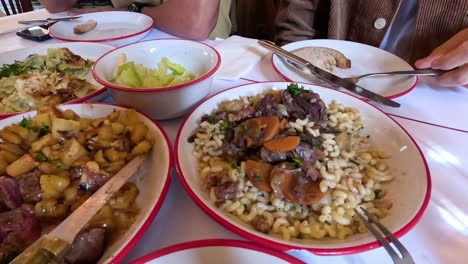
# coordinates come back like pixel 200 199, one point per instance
pixel 85 50
pixel 364 59
pixel 115 28
pixel 152 178
pixel 213 251
pixel 409 191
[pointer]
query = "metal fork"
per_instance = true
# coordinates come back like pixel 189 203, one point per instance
pixel 423 72
pixel 404 257
pixel 355 79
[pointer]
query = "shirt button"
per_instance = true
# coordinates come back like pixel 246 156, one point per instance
pixel 380 23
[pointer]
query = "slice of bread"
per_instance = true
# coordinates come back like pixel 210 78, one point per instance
pixel 85 27
pixel 324 58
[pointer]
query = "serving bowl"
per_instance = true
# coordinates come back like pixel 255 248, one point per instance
pixel 409 191
pixel 163 102
pixel 90 51
pixel 152 178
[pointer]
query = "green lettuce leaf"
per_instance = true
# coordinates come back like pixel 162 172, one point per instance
pixel 167 73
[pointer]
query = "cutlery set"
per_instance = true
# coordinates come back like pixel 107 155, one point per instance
pixel 349 83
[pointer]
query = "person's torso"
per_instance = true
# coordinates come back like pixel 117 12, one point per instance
pixel 368 21
pixel 222 28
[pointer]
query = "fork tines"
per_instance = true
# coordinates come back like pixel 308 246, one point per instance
pixel 404 257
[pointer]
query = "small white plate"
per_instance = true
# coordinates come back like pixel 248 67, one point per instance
pixel 409 192
pixel 364 59
pixel 90 51
pixel 115 28
pixel 214 251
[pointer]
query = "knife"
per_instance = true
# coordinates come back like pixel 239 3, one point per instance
pixel 53 245
pixel 47 20
pixel 326 76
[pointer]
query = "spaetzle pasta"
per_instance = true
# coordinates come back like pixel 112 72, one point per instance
pixel 306 182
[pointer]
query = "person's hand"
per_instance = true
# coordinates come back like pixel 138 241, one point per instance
pixel 79 11
pixel 453 56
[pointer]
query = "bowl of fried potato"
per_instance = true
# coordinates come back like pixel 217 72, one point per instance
pixel 55 158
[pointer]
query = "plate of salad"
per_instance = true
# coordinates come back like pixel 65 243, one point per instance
pixel 49 74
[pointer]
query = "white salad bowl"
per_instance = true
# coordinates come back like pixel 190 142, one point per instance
pixel 161 102
pixel 152 178
pixel 409 191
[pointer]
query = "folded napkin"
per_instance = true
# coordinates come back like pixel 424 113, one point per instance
pixel 238 56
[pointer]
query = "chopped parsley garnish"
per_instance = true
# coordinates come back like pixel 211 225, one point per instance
pixel 315 144
pixel 26 123
pixel 45 129
pixel 294 89
pixel 257 176
pixel 235 166
pixel 40 157
pixel 245 128
pixel 226 124
pixel 276 182
pixel 297 161
pixel 14 69
pixel 211 119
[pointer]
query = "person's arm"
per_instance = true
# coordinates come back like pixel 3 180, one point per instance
pixel 185 18
pixel 54 6
pixel 295 21
pixel 453 56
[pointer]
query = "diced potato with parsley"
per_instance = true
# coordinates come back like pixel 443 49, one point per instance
pixel 50 209
pixel 53 186
pixel 60 125
pixel 44 141
pixel 41 120
pixel 22 165
pixel 72 151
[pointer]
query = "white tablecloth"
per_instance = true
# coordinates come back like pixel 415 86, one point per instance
pixel 435 117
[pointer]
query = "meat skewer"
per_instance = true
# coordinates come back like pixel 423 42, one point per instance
pixel 54 244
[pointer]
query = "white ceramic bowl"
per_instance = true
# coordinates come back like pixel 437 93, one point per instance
pixel 90 51
pixel 409 191
pixel 116 28
pixel 152 179
pixel 166 102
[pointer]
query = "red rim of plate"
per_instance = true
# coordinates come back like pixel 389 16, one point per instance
pixel 389 97
pixel 156 89
pixel 283 246
pixel 107 39
pixel 139 234
pixel 74 101
pixel 216 243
